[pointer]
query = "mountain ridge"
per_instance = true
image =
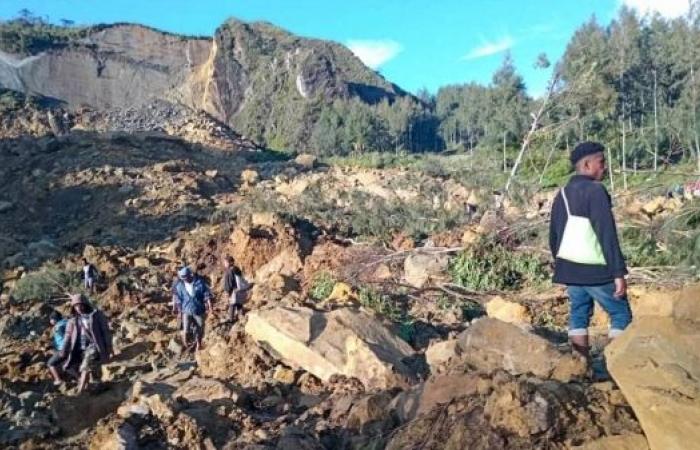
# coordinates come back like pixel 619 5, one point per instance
pixel 258 78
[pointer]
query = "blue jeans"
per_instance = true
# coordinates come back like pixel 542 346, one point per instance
pixel 581 308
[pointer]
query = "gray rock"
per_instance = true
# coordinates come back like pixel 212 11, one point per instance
pixel 490 344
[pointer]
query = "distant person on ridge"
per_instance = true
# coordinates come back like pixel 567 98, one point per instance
pixel 59 331
pixel 89 274
pixel 583 240
pixel 193 298
pixel 87 338
pixel 235 287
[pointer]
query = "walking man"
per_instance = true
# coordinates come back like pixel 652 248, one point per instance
pixel 89 275
pixel 87 338
pixel 584 243
pixel 192 298
pixel 235 287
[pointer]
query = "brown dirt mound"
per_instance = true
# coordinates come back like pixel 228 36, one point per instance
pixel 518 413
pixel 258 239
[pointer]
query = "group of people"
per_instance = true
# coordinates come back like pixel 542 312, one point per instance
pixel 192 297
pixel 83 341
pixel 583 241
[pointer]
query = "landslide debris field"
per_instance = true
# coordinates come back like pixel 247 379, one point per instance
pixel 391 307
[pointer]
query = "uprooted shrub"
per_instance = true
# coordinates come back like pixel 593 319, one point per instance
pixel 49 281
pixel 668 241
pixel 492 266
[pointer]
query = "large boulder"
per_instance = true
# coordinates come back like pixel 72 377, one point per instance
pixel 490 344
pixel 209 390
pixel 344 341
pixel 441 352
pixel 287 263
pixel 437 390
pixel 508 311
pixel 656 363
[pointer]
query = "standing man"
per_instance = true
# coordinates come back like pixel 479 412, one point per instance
pixel 192 298
pixel 235 287
pixel 584 243
pixel 89 275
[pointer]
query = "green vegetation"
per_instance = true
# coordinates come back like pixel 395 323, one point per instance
pixel 31 35
pixel 381 220
pixel 50 281
pixel 491 266
pixel 262 156
pixel 10 100
pixel 630 85
pixel 315 96
pixel 391 307
pixel 381 303
pixel 322 286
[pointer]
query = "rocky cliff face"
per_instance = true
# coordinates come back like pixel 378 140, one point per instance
pixel 257 78
pixel 117 66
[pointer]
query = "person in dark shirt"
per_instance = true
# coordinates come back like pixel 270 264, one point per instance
pixel 591 265
pixel 235 287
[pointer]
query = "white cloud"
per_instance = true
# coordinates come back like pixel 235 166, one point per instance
pixel 667 8
pixel 374 53
pixel 490 48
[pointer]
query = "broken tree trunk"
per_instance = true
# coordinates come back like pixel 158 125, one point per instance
pixel 533 127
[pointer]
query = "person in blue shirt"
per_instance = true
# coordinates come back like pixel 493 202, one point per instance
pixel 192 297
pixel 59 331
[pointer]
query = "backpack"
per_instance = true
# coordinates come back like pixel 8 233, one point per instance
pixel 579 243
pixel 241 283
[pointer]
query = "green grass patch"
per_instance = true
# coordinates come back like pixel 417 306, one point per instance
pixel 322 286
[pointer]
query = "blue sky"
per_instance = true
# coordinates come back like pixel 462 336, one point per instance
pixel 413 43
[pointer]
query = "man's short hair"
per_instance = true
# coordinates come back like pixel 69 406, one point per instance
pixel 585 149
pixel 55 316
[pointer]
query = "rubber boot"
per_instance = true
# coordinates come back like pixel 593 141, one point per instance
pixel 580 345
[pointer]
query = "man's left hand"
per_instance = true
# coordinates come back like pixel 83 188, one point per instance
pixel 620 288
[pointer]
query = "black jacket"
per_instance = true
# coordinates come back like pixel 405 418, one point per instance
pixel 92 272
pixel 229 280
pixel 589 199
